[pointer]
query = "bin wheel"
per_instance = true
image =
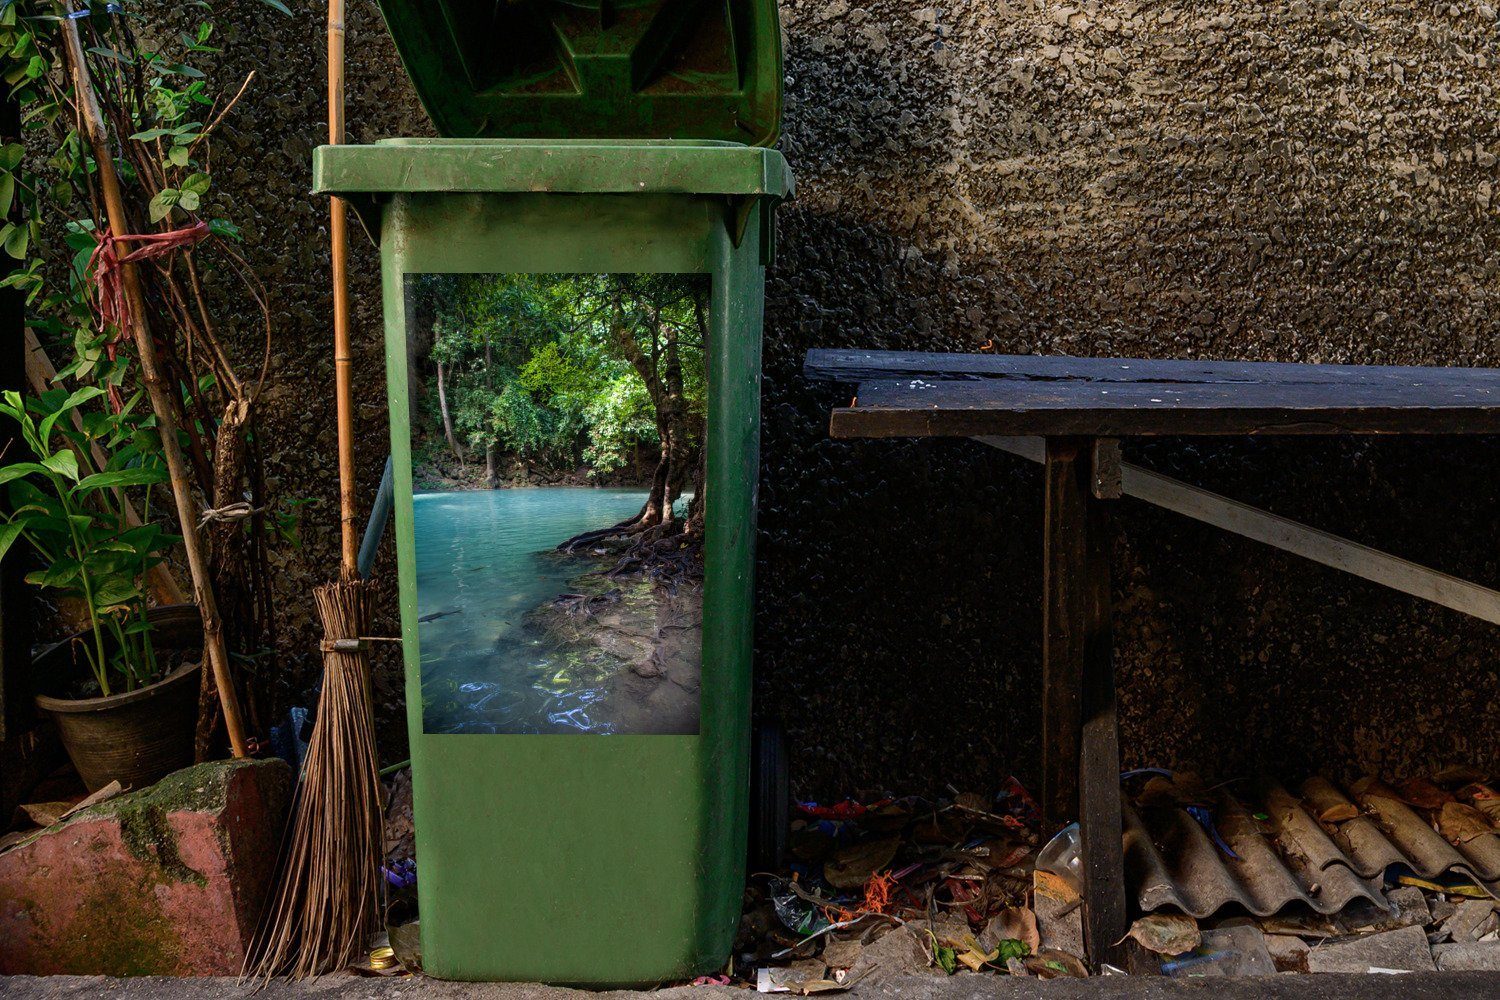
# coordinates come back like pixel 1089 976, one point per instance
pixel 770 798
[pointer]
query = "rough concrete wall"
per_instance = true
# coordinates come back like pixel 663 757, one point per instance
pixel 1306 181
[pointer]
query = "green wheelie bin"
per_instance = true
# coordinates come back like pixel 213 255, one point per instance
pixel 573 284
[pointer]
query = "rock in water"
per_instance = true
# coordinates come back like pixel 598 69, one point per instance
pixel 167 881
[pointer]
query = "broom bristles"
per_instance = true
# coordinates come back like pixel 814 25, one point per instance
pixel 327 892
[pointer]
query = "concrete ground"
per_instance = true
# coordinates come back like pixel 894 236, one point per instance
pixel 1418 986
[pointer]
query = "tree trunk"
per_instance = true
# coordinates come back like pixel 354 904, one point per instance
pixel 492 466
pixel 697 508
pixel 458 452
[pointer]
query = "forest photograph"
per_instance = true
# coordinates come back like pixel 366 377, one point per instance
pixel 558 467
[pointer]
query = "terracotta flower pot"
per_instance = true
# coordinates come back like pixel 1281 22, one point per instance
pixel 137 737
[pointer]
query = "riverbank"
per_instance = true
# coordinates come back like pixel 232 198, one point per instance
pixel 644 640
pixel 440 471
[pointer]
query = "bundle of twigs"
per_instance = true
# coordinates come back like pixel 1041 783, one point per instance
pixel 328 892
pixel 327 895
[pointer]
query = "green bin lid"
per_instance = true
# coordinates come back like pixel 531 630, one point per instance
pixel 648 69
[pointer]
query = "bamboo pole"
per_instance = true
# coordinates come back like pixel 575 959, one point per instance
pixel 40 373
pixel 343 355
pixel 166 416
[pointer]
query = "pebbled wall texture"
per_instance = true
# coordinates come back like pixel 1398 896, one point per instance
pixel 1310 180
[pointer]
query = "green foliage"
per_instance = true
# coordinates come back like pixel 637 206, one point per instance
pixel 166 103
pixel 537 365
pixel 77 524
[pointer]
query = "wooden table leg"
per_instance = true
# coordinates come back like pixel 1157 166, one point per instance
pixel 1099 768
pixel 1063 584
pixel 1080 740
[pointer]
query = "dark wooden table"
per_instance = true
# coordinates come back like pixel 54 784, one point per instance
pixel 1081 407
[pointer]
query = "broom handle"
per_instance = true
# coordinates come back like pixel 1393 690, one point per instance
pixel 166 416
pixel 343 358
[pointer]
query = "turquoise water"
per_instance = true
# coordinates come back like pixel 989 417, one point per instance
pixel 484 560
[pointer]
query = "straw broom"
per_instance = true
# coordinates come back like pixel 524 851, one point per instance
pixel 327 899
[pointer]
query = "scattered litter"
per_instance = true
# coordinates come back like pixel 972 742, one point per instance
pixel 1241 879
pixel 1166 933
pixel 1239 950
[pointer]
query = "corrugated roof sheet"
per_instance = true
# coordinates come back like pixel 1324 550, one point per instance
pixel 1291 856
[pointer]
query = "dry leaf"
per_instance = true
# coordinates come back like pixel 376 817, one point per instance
pixel 1052 963
pixel 1485 799
pixel 1423 794
pixel 1460 824
pixel 1326 802
pixel 1166 933
pixel 1373 788
pixel 1339 812
pixel 852 866
pixel 1016 923
pixel 104 794
pixel 45 813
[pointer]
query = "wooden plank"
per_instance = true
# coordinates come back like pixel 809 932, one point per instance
pixel 867 366
pixel 1064 608
pixel 1319 546
pixel 934 408
pixel 1101 830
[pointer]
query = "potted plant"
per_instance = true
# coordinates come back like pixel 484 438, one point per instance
pixel 121 691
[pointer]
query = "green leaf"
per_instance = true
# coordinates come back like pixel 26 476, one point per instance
pixel 37 67
pixel 177 156
pixel 121 477
pixel 197 183
pixel 17 240
pixel 7 192
pixel 106 52
pixel 75 399
pixel 224 228
pixel 161 205
pixel 947 958
pixel 11 155
pixel 64 463
pixel 115 592
pixel 18 469
pixel 277 5
pixel 9 532
pixel 188 201
pixel 153 133
pixel 59 574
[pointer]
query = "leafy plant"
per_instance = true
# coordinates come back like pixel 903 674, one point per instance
pixel 77 524
pixel 204 306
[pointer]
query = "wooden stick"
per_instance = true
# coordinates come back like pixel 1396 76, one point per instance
pixel 1279 532
pixel 40 373
pixel 161 403
pixel 343 355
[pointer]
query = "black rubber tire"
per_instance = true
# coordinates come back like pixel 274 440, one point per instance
pixel 770 798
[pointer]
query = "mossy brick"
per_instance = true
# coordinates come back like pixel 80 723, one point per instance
pixel 169 880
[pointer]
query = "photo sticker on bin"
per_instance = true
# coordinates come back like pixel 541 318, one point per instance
pixel 559 458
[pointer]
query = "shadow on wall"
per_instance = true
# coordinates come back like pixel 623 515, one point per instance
pixel 988 197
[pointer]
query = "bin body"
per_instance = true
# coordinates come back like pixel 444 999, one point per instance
pixel 594 859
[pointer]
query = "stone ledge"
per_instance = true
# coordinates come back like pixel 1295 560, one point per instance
pixel 169 880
